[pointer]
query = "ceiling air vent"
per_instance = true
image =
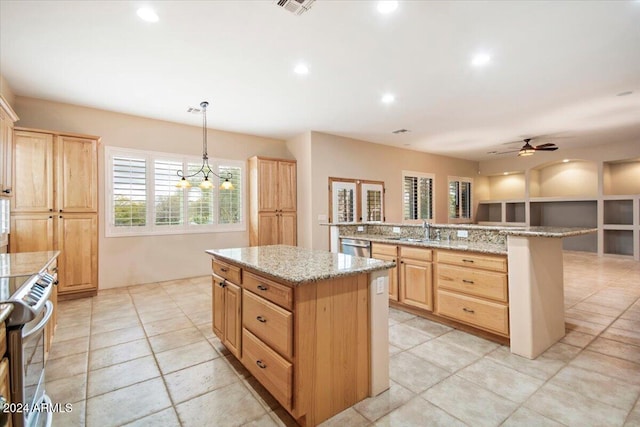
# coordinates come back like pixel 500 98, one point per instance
pixel 399 131
pixel 194 110
pixel 297 7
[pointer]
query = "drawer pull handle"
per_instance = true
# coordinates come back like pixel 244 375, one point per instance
pixel 224 269
pixel 261 364
pixel 222 284
pixel 467 281
pixel 262 287
pixel 261 319
pixel 467 260
pixel 468 310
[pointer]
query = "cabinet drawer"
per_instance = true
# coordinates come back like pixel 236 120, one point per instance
pixel 226 271
pixel 474 282
pixel 268 289
pixel 474 260
pixel 492 316
pixel 416 253
pixel 268 322
pixel 382 249
pixel 271 370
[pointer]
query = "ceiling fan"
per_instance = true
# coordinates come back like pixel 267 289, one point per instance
pixel 528 149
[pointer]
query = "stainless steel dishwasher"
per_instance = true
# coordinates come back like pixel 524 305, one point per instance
pixel 356 247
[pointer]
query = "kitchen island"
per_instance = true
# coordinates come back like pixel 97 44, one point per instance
pixel 507 281
pixel 311 326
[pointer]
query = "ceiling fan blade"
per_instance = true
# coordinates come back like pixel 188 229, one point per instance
pixel 548 144
pixel 545 148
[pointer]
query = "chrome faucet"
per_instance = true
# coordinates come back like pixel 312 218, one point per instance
pixel 427 230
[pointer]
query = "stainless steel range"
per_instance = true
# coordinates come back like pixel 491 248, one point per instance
pixel 26 333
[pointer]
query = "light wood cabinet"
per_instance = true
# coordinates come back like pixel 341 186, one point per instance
pixel 388 253
pixel 7 118
pixel 272 202
pixel 77 241
pixel 308 345
pixel 227 306
pixel 416 278
pixel 472 288
pixel 53 322
pixel 55 204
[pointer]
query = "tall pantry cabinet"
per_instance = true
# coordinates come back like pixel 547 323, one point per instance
pixel 273 202
pixel 54 205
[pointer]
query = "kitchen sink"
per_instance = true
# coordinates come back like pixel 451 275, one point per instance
pixel 411 239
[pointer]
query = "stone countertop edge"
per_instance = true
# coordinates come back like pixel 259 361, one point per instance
pixel 464 226
pixel 311 265
pixel 5 311
pixel 455 245
pixel 557 232
pixel 25 263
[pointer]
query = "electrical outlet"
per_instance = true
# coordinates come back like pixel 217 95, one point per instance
pixel 463 233
pixel 380 285
pixel 396 230
pixel 360 228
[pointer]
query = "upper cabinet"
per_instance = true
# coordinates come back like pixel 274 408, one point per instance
pixel 7 118
pixel 273 201
pixel 48 165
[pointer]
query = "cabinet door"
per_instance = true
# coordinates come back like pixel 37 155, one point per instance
pixel 218 306
pixel 6 149
pixel 77 239
pixel 416 284
pixel 233 316
pixel 267 185
pixel 33 172
pixel 393 276
pixel 268 228
pixel 31 233
pixel 77 174
pixel 287 195
pixel 288 229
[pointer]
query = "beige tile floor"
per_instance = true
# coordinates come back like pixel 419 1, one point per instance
pixel 146 356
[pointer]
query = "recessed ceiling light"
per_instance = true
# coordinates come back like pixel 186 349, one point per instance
pixel 505 173
pixel 147 14
pixel 301 69
pixel 565 161
pixel 386 7
pixel 480 59
pixel 388 98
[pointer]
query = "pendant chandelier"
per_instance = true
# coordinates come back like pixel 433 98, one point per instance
pixel 206 170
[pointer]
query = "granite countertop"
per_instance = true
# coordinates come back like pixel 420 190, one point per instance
pixel 458 245
pixel 296 265
pixel 548 231
pixel 25 263
pixel 5 311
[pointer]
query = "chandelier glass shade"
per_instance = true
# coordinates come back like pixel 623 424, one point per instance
pixel 205 169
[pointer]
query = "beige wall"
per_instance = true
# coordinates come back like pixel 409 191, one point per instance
pixel 300 147
pixel 576 178
pixel 622 178
pixel 335 156
pixel 133 260
pixel 504 187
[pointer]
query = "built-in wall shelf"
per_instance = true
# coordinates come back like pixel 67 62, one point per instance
pixel 603 195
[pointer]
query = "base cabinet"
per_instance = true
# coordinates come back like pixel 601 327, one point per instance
pixel 416 277
pixel 227 305
pixel 308 345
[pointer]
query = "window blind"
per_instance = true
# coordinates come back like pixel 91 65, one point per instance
pixel 129 192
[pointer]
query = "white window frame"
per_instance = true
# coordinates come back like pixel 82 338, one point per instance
pixel 460 219
pixel 151 229
pixel 426 175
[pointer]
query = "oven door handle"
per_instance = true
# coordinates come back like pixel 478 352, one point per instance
pixel 48 306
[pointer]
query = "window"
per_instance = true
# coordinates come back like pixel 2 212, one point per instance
pixel 352 200
pixel 417 196
pixel 142 197
pixel 460 198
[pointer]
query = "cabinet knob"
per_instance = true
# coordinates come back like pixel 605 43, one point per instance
pixel 60 216
pixel 50 210
pixel 60 210
pixel 50 216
